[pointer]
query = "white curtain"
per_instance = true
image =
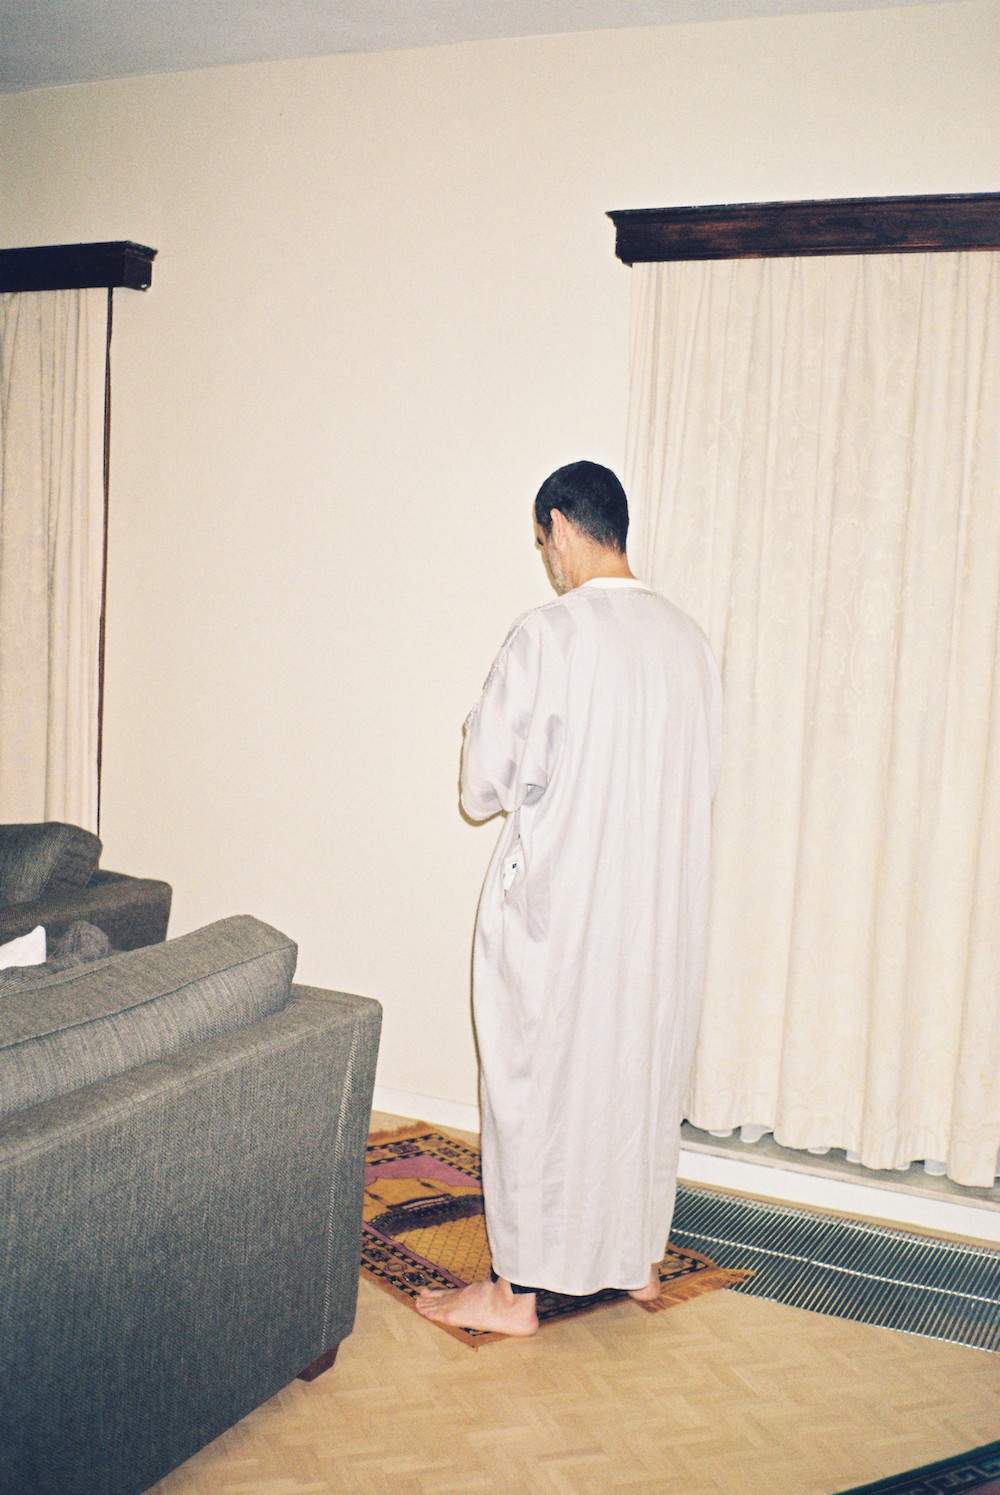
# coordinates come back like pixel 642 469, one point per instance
pixel 52 376
pixel 814 462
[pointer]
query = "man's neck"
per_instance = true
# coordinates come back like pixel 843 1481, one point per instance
pixel 597 563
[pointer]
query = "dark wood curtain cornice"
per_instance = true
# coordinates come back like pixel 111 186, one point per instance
pixel 848 225
pixel 70 267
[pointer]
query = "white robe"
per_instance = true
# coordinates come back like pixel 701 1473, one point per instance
pixel 598 734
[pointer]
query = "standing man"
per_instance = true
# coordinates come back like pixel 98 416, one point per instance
pixel 598 736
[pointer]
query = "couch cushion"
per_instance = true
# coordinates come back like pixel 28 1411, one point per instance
pixel 101 1019
pixel 45 858
pixel 76 946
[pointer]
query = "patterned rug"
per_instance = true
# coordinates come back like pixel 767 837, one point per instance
pixel 423 1227
pixel 975 1473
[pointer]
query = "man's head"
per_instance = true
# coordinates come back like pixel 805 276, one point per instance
pixel 591 498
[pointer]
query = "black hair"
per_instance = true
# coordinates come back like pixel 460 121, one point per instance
pixel 591 498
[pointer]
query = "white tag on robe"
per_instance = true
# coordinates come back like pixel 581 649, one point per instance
pixel 510 866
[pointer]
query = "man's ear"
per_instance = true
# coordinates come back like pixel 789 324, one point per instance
pixel 559 523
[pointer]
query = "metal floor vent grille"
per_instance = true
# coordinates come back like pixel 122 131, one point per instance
pixel 847 1268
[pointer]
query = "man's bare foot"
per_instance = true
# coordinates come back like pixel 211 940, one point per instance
pixel 651 1291
pixel 489 1306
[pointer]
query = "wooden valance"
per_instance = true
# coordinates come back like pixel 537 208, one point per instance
pixel 848 225
pixel 69 267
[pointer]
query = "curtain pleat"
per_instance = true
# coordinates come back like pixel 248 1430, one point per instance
pixel 52 371
pixel 814 463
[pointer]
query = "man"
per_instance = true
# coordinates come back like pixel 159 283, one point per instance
pixel 598 736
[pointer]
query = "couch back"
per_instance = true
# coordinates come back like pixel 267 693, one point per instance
pixel 79 1026
pixel 45 858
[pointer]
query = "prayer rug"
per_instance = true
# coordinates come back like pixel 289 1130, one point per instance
pixel 975 1473
pixel 423 1227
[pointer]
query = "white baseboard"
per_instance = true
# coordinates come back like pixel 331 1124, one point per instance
pixel 841 1196
pixel 427 1108
pixel 747 1177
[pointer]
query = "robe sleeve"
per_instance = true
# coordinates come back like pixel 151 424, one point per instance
pixel 505 757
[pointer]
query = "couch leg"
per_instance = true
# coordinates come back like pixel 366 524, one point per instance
pixel 319 1365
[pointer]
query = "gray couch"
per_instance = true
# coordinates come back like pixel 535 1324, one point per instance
pixel 49 875
pixel 182 1136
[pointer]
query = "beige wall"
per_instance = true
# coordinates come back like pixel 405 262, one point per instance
pixel 385 305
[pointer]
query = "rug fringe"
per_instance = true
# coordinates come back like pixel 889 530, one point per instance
pixel 692 1287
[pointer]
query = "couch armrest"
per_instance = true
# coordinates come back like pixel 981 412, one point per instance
pixel 132 911
pixel 177 1243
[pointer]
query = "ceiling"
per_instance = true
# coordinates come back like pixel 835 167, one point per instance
pixel 45 43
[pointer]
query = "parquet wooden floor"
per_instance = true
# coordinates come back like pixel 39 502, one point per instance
pixel 725 1395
